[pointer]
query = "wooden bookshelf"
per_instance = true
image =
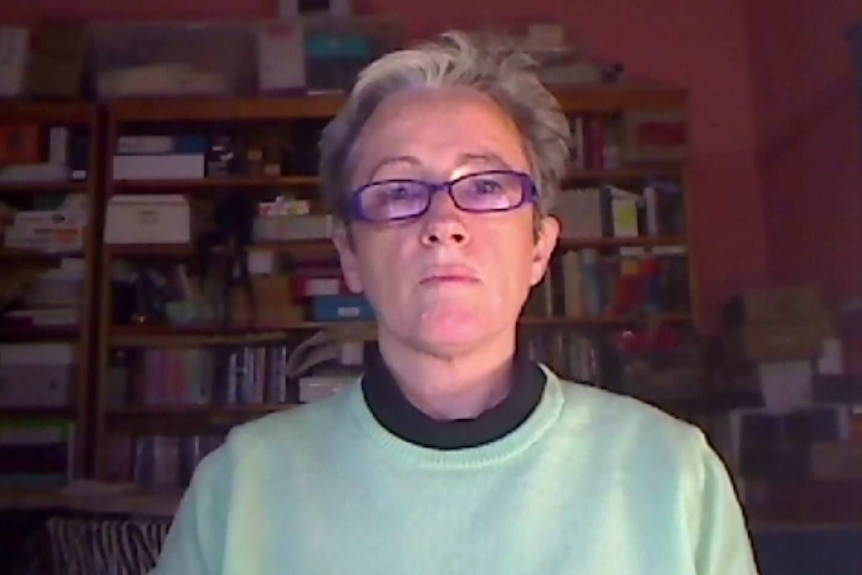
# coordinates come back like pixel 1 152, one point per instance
pixel 203 336
pixel 200 110
pixel 613 98
pixel 185 419
pixel 37 412
pixel 204 185
pixel 618 176
pixel 92 498
pixel 607 98
pixel 132 115
pixel 313 249
pixel 83 336
pixel 13 334
pixel 25 255
pixel 48 112
pixel 39 188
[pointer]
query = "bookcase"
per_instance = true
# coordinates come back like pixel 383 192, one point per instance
pixel 48 266
pixel 261 150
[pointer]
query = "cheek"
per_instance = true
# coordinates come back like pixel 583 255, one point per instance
pixel 512 259
pixel 383 261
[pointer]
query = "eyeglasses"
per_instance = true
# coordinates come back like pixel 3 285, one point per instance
pixel 480 192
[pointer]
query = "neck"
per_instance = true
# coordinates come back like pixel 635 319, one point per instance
pixel 456 386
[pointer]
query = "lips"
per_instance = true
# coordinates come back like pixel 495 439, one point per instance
pixel 450 274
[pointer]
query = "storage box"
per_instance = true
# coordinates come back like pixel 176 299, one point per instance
pixel 36 375
pixel 14 53
pixel 280 58
pixel 336 49
pixel 836 460
pixel 156 219
pixel 777 341
pixel 56 66
pixel 655 136
pixel 341 308
pixel 174 59
pixel 275 307
pixel 280 228
pixel 769 304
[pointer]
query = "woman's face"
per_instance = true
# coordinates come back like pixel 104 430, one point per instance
pixel 450 280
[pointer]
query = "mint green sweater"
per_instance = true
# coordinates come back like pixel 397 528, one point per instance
pixel 590 484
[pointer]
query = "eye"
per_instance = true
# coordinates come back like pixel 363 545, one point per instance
pixel 486 186
pixel 399 191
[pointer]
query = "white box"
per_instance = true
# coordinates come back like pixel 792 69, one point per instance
pixel 14 53
pixel 160 167
pixel 280 58
pixel 36 375
pixel 157 219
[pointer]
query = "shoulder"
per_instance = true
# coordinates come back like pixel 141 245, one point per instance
pixel 296 429
pixel 618 422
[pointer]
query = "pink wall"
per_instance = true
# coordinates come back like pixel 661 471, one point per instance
pixel 809 153
pixel 702 47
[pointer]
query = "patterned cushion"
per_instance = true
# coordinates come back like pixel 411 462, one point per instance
pixel 97 546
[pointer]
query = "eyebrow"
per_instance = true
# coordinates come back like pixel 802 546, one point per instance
pixel 485 157
pixel 412 160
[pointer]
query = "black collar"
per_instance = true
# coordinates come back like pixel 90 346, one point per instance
pixel 400 417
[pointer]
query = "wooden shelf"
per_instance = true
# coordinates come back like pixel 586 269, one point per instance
pixel 601 98
pixel 125 499
pixel 642 241
pixel 620 176
pixel 39 333
pixel 184 419
pixel 610 98
pixel 34 188
pixel 300 249
pixel 595 322
pixel 706 401
pixel 27 255
pixel 194 109
pixel 202 336
pixel 309 249
pixel 203 185
pixel 56 112
pixel 37 412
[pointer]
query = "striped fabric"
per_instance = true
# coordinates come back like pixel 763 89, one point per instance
pixel 97 546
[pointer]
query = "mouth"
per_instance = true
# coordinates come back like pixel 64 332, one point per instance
pixel 450 275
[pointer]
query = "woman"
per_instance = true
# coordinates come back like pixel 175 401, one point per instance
pixel 453 454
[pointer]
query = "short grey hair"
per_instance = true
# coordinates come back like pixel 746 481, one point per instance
pixel 489 63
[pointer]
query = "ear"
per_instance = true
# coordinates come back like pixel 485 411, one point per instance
pixel 543 248
pixel 347 256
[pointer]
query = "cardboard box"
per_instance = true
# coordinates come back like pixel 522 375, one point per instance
pixel 36 375
pixel 836 460
pixel 806 501
pixel 655 136
pixel 14 53
pixel 56 64
pixel 777 341
pixel 769 304
pixel 156 219
pixel 19 144
pixel 275 307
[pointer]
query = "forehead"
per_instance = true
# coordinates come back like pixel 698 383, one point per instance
pixel 439 127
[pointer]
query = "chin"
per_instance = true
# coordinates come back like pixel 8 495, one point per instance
pixel 453 329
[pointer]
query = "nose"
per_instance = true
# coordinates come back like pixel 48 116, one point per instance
pixel 443 223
